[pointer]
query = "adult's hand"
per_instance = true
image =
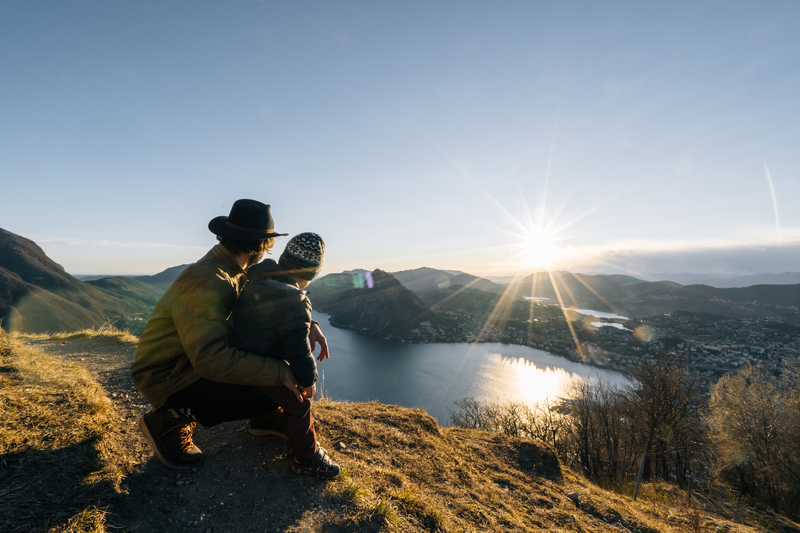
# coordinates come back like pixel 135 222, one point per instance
pixel 308 392
pixel 315 337
pixel 291 384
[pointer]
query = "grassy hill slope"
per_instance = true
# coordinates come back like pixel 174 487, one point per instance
pixel 129 289
pixel 26 307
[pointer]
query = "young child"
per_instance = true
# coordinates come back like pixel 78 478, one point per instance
pixel 272 318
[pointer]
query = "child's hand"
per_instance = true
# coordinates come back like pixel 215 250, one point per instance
pixel 315 336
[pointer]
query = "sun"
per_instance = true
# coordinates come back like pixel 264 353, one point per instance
pixel 539 247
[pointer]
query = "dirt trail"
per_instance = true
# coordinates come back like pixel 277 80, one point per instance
pixel 243 485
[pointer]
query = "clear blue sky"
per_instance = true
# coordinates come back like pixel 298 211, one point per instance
pixel 489 137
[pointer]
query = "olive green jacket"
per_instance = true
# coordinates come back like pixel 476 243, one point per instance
pixel 186 338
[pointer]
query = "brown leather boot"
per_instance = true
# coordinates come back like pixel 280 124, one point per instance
pixel 171 438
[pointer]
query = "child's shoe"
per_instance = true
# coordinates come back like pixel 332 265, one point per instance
pixel 320 465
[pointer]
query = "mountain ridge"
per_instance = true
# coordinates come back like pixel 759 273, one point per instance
pixel 163 279
pixel 730 282
pixel 387 308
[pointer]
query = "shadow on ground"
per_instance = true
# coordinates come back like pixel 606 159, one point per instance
pixel 40 489
pixel 244 484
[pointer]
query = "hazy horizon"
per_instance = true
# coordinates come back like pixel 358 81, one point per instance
pixel 734 262
pixel 647 276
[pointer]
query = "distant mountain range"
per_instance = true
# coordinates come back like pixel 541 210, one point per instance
pixel 422 278
pixel 728 282
pixel 37 295
pixel 635 298
pixel 163 279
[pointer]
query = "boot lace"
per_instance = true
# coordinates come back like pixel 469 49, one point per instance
pixel 185 435
pixel 183 432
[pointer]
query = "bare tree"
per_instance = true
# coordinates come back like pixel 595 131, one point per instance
pixel 540 421
pixel 471 414
pixel 547 423
pixel 755 426
pixel 598 430
pixel 665 403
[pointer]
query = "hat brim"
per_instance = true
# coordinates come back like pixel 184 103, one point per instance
pixel 218 226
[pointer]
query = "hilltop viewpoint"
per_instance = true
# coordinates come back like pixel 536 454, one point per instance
pixel 72 459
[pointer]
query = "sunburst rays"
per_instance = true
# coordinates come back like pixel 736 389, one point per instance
pixel 540 239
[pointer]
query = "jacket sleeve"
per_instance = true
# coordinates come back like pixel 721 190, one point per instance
pixel 200 312
pixel 294 344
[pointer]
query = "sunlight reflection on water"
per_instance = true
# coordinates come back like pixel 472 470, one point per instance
pixel 520 379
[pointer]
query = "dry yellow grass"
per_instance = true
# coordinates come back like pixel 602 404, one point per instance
pixel 59 455
pixel 402 472
pixel 107 333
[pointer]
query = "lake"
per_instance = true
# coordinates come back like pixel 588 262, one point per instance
pixel 433 376
pixel 598 314
pixel 609 325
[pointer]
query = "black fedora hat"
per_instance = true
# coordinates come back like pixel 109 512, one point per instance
pixel 249 221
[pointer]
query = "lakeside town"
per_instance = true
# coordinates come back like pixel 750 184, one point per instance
pixel 710 345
